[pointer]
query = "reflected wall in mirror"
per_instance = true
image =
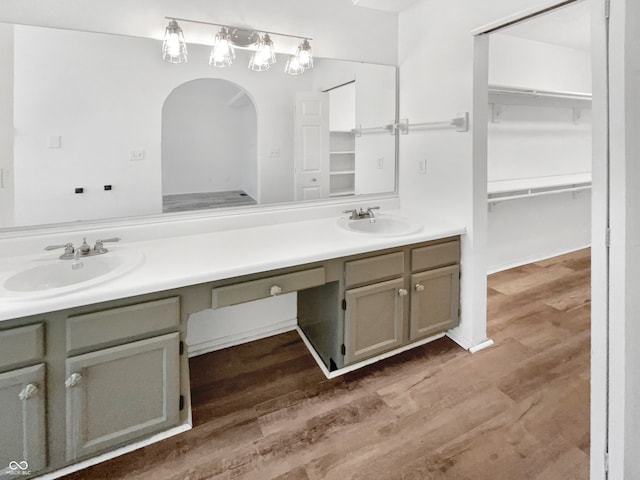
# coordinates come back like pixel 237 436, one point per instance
pixel 96 126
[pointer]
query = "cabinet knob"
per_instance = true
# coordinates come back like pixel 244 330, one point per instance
pixel 419 287
pixel 403 292
pixel 275 290
pixel 29 391
pixel 73 380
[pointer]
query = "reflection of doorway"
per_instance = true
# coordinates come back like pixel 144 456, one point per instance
pixel 209 157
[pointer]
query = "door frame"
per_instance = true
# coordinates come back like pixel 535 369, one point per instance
pixel 599 423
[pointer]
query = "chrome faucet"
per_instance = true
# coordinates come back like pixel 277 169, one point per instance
pixel 358 215
pixel 84 250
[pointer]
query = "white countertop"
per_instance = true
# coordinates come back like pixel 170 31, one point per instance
pixel 188 260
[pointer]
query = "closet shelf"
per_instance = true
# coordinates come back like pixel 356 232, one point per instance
pixel 342 172
pixel 503 95
pixel 343 152
pixel 505 190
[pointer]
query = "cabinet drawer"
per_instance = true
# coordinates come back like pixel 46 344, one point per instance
pixel 121 323
pixel 21 345
pixel 435 256
pixel 372 269
pixel 257 289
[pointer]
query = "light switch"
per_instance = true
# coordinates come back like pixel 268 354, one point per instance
pixel 54 141
pixel 136 155
pixel 422 166
pixel 380 162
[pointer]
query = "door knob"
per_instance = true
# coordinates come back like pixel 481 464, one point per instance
pixel 29 391
pixel 73 380
pixel 403 292
pixel 275 290
pixel 419 287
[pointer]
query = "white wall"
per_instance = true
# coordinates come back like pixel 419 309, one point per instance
pixel 205 134
pixel 338 28
pixel 6 127
pixel 436 71
pixel 535 141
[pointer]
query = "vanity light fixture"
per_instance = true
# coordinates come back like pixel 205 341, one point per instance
pixel 304 55
pixel 264 56
pixel 174 48
pixel 222 53
pixel 293 66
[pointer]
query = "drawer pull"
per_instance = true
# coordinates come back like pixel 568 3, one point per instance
pixel 403 292
pixel 275 290
pixel 73 380
pixel 29 391
pixel 419 287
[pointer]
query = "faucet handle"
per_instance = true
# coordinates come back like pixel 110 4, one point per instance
pixel 99 247
pixel 66 246
pixel 353 212
pixel 68 250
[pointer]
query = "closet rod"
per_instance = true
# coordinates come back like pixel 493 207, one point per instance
pixel 460 123
pixel 538 193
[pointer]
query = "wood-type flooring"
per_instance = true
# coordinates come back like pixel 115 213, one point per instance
pixel 518 410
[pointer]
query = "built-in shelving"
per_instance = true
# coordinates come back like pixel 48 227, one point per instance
pixel 342 163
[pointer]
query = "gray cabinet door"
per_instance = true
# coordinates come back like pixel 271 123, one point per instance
pixel 118 394
pixel 434 301
pixel 22 422
pixel 374 319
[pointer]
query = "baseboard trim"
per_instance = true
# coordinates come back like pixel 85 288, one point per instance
pixel 481 346
pixel 212 345
pixel 535 259
pixel 187 425
pixel 364 363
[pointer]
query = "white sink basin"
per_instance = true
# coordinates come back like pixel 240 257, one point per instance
pixel 383 224
pixel 52 276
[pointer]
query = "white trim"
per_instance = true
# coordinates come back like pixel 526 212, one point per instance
pixel 187 425
pixel 521 15
pixel 481 346
pixel 364 363
pixel 519 263
pixel 242 337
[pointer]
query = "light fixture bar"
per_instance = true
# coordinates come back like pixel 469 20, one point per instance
pixel 239 28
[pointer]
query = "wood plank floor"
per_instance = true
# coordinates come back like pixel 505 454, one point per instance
pixel 517 410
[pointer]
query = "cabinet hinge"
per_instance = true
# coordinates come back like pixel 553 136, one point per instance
pixel 181 402
pixel 344 304
pixel 606 463
pixel 343 349
pixel 607 9
pixel 181 351
pixel 608 238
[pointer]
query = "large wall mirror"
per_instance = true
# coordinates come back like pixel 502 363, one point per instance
pixel 96 126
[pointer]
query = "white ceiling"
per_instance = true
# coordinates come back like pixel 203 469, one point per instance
pixel 569 26
pixel 386 5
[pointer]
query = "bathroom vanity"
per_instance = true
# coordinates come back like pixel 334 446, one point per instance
pixel 102 371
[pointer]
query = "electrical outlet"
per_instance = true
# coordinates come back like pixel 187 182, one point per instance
pixel 422 166
pixel 136 155
pixel 380 162
pixel 274 152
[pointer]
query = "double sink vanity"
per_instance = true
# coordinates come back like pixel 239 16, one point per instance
pixel 93 361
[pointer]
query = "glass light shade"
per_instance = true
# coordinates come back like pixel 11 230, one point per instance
pixel 264 56
pixel 174 48
pixel 304 55
pixel 293 66
pixel 222 53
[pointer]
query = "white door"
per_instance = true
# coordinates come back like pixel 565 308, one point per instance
pixel 311 145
